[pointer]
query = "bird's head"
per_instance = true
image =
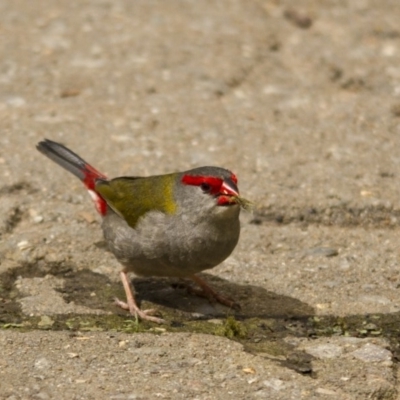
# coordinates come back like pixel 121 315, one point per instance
pixel 211 189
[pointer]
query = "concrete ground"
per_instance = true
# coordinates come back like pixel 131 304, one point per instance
pixel 301 100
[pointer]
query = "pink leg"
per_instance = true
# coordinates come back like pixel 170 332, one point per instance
pixel 211 294
pixel 131 303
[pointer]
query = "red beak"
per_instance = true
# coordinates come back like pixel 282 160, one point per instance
pixel 227 193
pixel 229 188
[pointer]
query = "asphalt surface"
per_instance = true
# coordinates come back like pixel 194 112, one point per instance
pixel 301 101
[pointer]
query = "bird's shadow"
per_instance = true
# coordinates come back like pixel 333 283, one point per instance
pixel 254 301
pixel 171 296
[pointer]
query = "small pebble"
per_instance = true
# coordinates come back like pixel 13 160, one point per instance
pixel 249 370
pixel 372 353
pixel 322 252
pixel 23 245
pixel 324 351
pixel 38 219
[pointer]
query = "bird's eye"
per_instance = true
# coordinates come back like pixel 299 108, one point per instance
pixel 205 187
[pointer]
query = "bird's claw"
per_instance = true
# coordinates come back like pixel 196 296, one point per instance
pixel 144 315
pixel 121 304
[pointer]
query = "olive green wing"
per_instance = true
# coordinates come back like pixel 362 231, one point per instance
pixel 132 197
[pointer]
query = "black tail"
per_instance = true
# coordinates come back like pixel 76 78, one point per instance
pixel 70 161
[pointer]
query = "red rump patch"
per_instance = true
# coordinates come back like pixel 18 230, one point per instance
pixel 91 175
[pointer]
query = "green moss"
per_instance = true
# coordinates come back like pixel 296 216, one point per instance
pixel 232 329
pixel 132 326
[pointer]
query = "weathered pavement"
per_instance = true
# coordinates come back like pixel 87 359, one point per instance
pixel 302 103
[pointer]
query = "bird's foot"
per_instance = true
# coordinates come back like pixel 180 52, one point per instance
pixel 144 315
pixel 132 307
pixel 208 292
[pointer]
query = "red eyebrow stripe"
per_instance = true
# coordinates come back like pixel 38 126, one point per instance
pixel 215 183
pixel 198 180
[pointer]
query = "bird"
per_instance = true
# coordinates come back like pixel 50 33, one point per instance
pixel 172 225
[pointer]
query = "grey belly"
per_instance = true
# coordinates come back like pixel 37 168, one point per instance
pixel 160 248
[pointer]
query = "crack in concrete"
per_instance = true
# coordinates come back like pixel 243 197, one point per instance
pixel 337 215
